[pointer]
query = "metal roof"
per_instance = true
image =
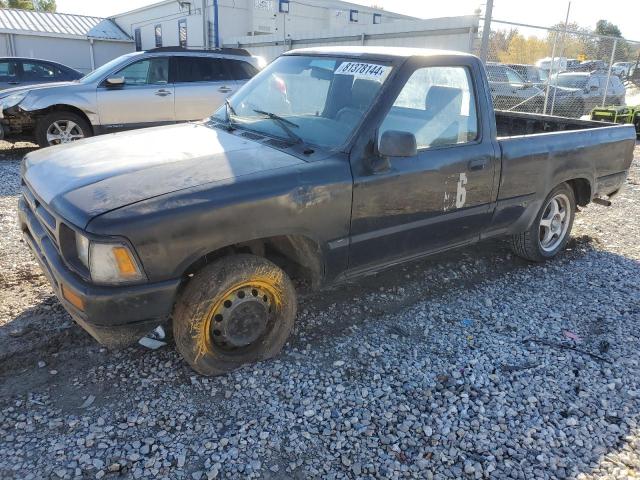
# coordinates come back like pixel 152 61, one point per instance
pixel 356 51
pixel 28 22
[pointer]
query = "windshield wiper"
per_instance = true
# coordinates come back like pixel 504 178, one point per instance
pixel 286 126
pixel 229 111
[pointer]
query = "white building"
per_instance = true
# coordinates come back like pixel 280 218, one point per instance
pixel 77 41
pixel 181 22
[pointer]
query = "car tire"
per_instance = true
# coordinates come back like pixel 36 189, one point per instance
pixel 551 228
pixel 237 310
pixel 65 125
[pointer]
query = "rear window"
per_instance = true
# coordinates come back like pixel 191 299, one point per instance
pixel 241 70
pixel 200 69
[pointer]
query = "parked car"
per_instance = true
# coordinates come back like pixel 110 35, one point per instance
pixel 375 156
pixel 16 71
pixel 577 93
pixel 530 73
pixel 591 66
pixel 572 64
pixel 142 89
pixel 622 69
pixel 554 64
pixel 511 91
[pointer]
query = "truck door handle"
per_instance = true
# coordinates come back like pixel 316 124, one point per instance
pixel 224 89
pixel 477 164
pixel 163 93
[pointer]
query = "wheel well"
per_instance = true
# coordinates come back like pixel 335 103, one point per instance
pixel 299 256
pixel 66 108
pixel 581 189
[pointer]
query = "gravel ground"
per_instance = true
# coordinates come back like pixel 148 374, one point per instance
pixel 472 364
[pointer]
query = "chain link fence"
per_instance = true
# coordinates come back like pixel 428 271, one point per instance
pixel 560 71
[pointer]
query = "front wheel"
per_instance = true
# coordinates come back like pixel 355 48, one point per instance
pixel 237 310
pixel 551 229
pixel 60 127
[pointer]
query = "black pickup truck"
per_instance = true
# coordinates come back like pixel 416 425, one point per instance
pixel 330 164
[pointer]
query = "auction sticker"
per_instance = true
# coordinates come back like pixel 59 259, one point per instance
pixel 363 70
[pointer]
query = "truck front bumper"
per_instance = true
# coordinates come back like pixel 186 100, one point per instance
pixel 115 316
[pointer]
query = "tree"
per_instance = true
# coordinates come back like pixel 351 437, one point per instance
pixel 604 27
pixel 523 49
pixel 623 49
pixel 40 5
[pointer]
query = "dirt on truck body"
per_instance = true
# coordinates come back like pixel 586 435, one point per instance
pixel 330 164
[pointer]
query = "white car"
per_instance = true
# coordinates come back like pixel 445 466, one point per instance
pixel 622 69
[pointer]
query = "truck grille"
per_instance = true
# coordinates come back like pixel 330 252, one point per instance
pixel 44 217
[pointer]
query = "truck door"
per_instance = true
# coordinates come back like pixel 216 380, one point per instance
pixel 440 197
pixel 145 99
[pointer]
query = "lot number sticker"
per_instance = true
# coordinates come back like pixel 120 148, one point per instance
pixel 363 70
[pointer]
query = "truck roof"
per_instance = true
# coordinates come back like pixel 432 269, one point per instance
pixel 373 52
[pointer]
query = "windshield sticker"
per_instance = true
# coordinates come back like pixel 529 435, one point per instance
pixel 363 70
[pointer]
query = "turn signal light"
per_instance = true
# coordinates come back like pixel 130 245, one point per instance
pixel 73 298
pixel 126 264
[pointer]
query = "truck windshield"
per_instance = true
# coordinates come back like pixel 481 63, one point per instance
pixel 320 100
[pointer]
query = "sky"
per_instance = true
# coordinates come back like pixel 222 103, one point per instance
pixel 624 13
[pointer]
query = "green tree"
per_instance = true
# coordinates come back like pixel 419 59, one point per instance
pixel 40 5
pixel 604 27
pixel 623 49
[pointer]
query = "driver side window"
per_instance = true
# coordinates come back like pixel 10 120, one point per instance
pixel 152 71
pixel 514 78
pixel 438 106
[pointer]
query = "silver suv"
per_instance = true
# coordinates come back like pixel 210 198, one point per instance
pixel 156 87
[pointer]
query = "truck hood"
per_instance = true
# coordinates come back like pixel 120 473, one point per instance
pixel 88 178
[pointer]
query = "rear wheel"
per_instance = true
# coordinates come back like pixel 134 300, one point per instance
pixel 60 127
pixel 238 310
pixel 551 229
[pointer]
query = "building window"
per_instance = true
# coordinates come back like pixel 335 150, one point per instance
pixel 158 31
pixel 138 37
pixel 284 6
pixel 182 32
pixel 353 15
pixel 377 18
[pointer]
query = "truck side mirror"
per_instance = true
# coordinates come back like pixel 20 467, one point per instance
pixel 394 143
pixel 115 81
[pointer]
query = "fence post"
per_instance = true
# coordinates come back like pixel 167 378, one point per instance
pixel 553 57
pixel 606 87
pixel 486 31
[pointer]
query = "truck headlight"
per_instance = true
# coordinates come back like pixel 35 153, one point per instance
pixel 108 262
pixel 12 100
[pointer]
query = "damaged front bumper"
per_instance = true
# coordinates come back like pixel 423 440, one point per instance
pixel 14 121
pixel 115 316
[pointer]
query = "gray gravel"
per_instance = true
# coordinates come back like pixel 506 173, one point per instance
pixel 473 364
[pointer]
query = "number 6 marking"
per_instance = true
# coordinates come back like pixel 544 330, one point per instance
pixel 461 193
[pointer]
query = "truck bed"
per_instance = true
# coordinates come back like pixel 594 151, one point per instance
pixel 511 124
pixel 540 152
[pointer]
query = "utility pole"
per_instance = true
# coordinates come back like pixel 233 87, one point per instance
pixel 205 26
pixel 486 32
